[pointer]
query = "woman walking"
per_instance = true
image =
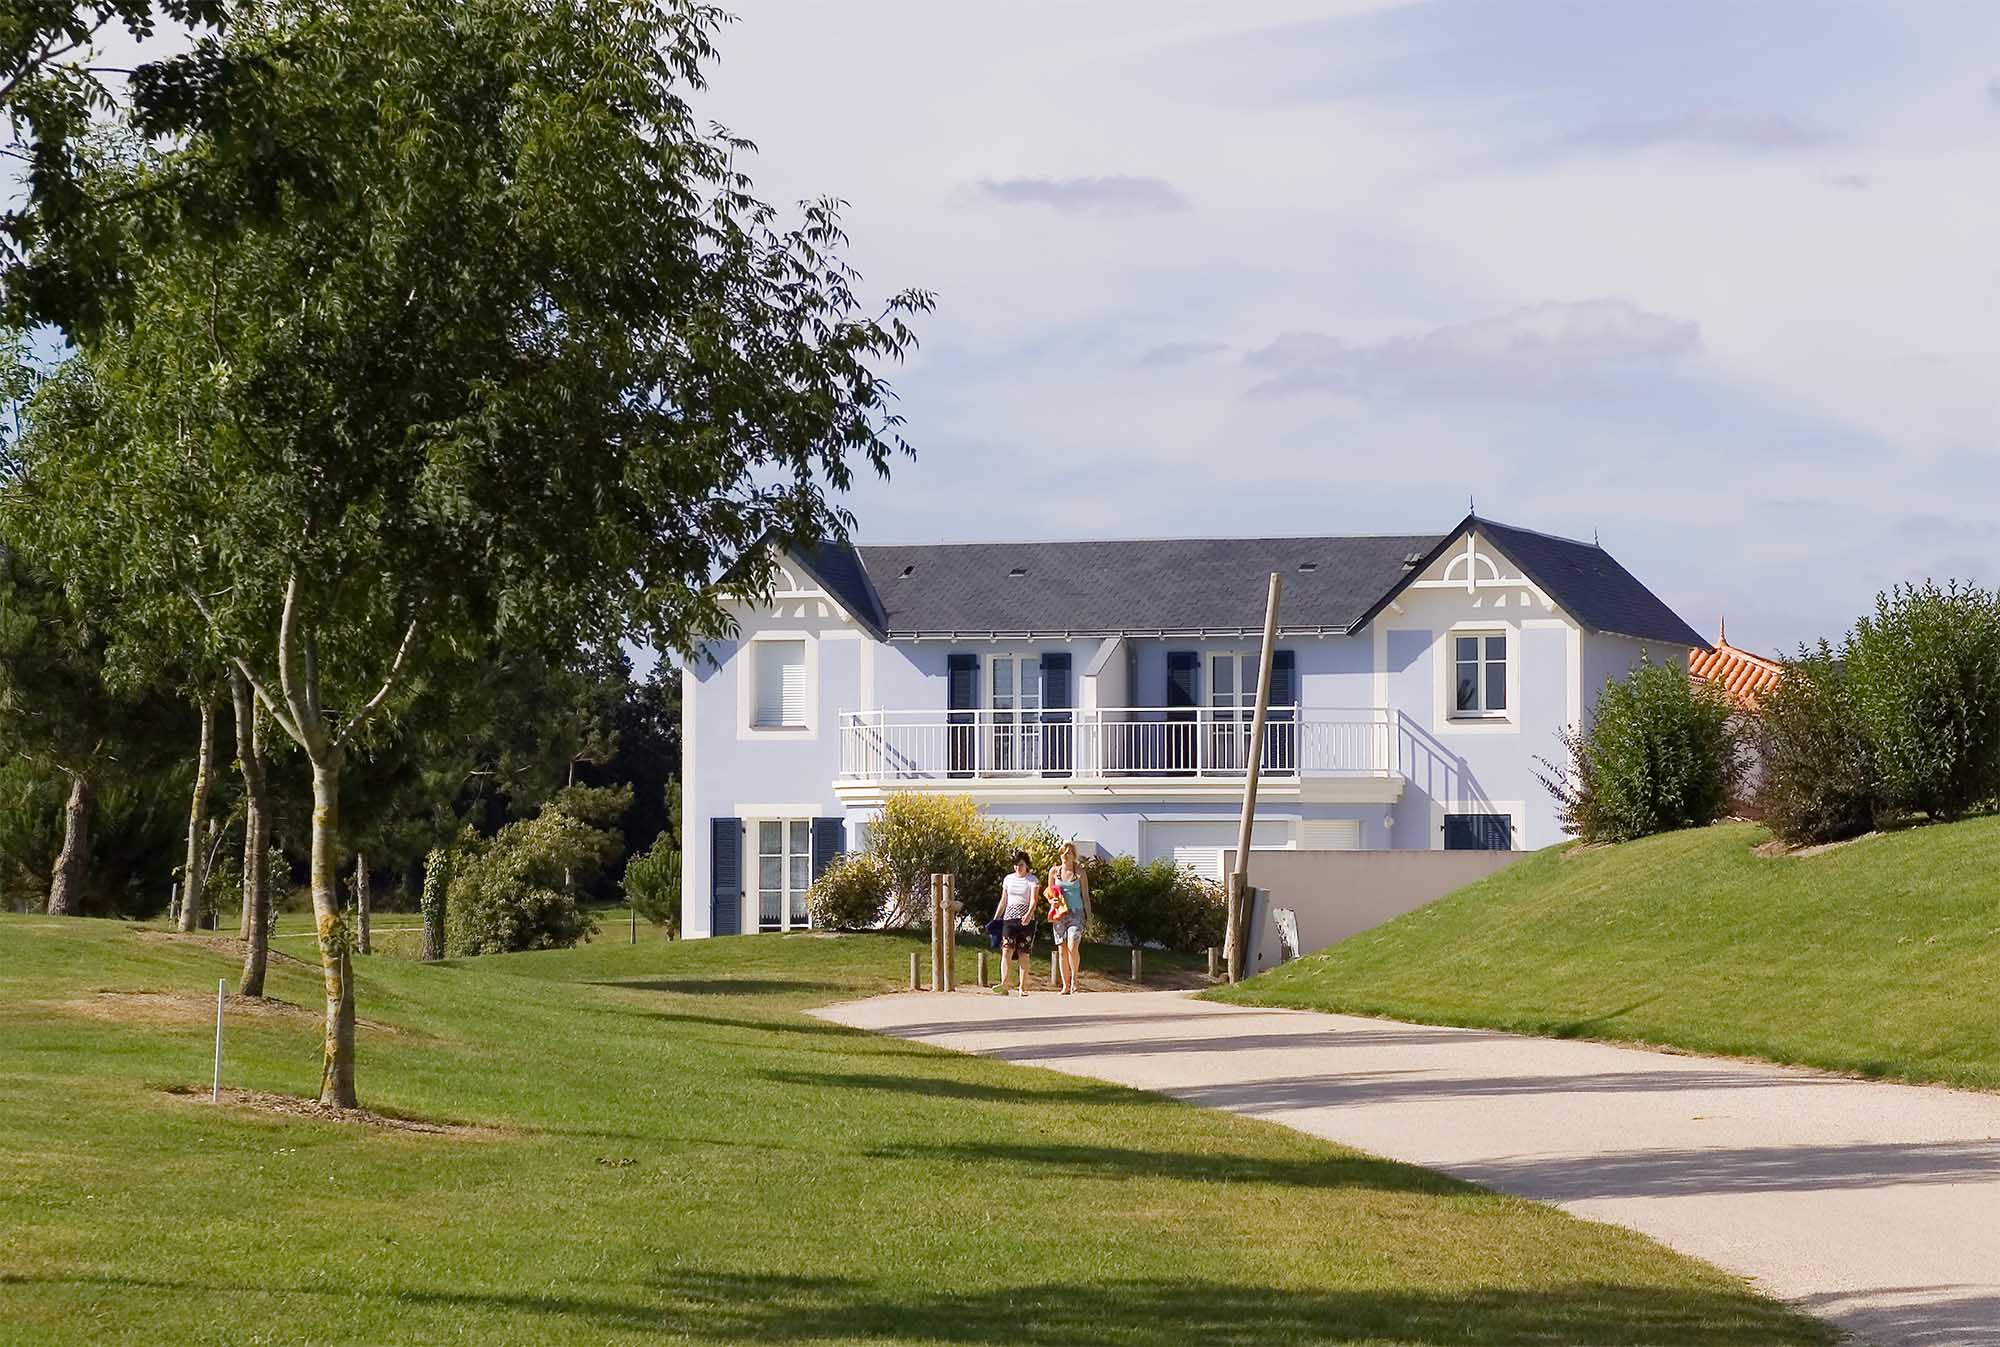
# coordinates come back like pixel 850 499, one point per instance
pixel 1069 908
pixel 1016 915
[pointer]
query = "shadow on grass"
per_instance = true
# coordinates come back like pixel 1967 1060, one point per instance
pixel 731 1307
pixel 723 986
pixel 1592 1026
pixel 941 1088
pixel 1338 1171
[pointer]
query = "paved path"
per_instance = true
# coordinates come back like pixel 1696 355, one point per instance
pixel 1876 1206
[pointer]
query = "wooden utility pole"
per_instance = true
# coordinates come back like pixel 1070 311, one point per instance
pixel 1239 878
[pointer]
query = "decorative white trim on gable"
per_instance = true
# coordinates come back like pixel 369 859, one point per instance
pixel 1478 568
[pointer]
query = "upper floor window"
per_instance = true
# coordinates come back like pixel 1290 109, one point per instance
pixel 1480 668
pixel 781 686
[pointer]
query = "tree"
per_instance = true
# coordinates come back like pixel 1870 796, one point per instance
pixel 544 372
pixel 58 710
pixel 1660 753
pixel 1816 783
pixel 1923 677
pixel 256 771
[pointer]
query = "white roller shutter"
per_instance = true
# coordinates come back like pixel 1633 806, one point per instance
pixel 781 683
pixel 1330 834
pixel 1199 846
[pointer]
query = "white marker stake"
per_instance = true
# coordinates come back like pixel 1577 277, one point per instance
pixel 215 1091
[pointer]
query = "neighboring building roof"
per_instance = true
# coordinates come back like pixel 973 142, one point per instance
pixel 1744 676
pixel 1168 586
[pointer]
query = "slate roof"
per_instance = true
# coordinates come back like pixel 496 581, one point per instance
pixel 1172 586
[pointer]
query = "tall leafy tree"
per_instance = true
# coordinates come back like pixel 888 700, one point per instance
pixel 537 368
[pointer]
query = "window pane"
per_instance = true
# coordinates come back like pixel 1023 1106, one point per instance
pixel 798 915
pixel 770 907
pixel 770 839
pixel 1003 680
pixel 801 874
pixel 1222 680
pixel 1496 687
pixel 801 837
pixel 1468 648
pixel 771 872
pixel 1496 647
pixel 1468 687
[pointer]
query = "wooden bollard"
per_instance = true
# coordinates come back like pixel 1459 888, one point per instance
pixel 937 933
pixel 982 970
pixel 913 970
pixel 1135 962
pixel 1213 953
pixel 951 933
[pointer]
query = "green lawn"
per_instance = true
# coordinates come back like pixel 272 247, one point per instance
pixel 1880 957
pixel 684 1156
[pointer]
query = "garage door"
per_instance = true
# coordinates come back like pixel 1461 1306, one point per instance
pixel 1199 846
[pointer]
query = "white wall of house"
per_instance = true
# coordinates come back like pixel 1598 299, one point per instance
pixel 1451 763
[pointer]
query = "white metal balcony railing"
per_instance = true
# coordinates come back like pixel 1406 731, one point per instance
pixel 1152 741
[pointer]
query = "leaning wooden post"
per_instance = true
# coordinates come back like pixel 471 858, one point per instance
pixel 982 970
pixel 1239 877
pixel 1135 962
pixel 914 984
pixel 1212 952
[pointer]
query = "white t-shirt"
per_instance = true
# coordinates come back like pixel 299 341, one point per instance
pixel 1020 891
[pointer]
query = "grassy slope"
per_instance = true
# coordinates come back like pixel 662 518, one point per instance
pixel 691 1159
pixel 1879 957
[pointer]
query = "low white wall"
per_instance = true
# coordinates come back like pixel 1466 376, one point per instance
pixel 1337 894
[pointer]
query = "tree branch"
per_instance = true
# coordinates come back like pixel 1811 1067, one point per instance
pixel 374 703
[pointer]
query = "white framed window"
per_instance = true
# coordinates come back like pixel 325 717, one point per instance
pixel 1479 680
pixel 1014 699
pixel 784 872
pixel 778 686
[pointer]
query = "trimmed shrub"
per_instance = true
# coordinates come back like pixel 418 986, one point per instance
pixel 851 892
pixel 1662 752
pixel 1817 785
pixel 918 835
pixel 1924 677
pixel 1161 904
pixel 653 884
pixel 518 890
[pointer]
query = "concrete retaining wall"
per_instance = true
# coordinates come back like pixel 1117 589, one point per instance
pixel 1337 894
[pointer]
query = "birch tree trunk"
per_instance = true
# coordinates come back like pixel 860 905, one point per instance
pixel 256 838
pixel 361 897
pixel 194 876
pixel 336 948
pixel 72 863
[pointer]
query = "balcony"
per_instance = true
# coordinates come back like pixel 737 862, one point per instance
pixel 1123 750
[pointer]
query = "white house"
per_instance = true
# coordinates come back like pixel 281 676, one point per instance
pixel 1107 687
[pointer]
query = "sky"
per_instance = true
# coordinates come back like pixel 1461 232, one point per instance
pixel 1712 282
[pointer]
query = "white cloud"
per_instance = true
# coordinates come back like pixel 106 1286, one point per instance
pixel 1548 350
pixel 1718 128
pixel 1117 194
pixel 1173 353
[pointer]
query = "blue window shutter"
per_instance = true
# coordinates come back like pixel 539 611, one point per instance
pixel 1183 695
pixel 962 700
pixel 963 692
pixel 1284 678
pixel 1055 682
pixel 1478 832
pixel 1057 736
pixel 829 840
pixel 725 876
pixel 1281 731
